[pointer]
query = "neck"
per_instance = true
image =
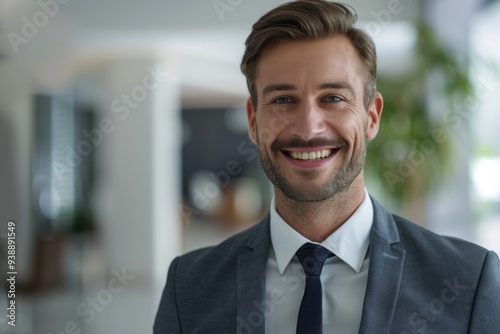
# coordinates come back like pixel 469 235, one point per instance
pixel 318 220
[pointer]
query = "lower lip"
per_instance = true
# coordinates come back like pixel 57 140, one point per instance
pixel 307 164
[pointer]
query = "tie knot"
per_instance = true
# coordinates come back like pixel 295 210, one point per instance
pixel 312 257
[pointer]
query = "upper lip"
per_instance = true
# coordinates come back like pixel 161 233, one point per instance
pixel 308 149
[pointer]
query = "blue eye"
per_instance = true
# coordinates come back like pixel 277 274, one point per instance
pixel 333 99
pixel 282 100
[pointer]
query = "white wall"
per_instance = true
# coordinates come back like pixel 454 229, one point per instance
pixel 138 176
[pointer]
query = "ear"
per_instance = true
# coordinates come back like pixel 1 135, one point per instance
pixel 251 117
pixel 374 114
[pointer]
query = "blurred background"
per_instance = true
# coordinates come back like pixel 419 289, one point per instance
pixel 123 141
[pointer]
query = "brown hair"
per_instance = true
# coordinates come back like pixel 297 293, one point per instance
pixel 309 20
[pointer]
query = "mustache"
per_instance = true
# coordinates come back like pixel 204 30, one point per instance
pixel 279 144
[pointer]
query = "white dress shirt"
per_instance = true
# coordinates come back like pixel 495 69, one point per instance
pixel 343 278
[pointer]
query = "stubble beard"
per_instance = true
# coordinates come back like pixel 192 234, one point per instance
pixel 340 181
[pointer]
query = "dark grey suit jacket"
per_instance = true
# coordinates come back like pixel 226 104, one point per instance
pixel 418 282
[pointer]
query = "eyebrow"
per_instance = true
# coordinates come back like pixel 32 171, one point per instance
pixel 277 87
pixel 282 87
pixel 337 85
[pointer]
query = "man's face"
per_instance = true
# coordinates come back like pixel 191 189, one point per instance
pixel 310 122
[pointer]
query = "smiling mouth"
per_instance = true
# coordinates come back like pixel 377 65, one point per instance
pixel 310 156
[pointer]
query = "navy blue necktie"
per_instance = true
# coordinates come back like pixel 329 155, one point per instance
pixel 310 320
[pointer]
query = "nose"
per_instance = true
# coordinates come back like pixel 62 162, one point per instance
pixel 308 122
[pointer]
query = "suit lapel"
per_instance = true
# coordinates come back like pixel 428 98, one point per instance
pixel 251 273
pixel 384 274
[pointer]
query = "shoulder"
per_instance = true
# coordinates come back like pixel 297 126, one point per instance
pixel 416 239
pixel 438 273
pixel 425 249
pixel 423 241
pixel 224 255
pixel 444 257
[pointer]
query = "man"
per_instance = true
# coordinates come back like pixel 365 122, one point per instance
pixel 328 258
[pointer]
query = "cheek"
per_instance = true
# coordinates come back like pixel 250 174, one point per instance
pixel 360 134
pixel 269 126
pixel 348 128
pixel 352 131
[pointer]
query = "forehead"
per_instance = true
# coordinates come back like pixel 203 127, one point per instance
pixel 310 62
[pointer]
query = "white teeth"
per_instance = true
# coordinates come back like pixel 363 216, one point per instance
pixel 310 155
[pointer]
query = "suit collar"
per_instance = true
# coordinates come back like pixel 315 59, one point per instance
pixel 384 273
pixel 384 226
pixel 259 234
pixel 251 286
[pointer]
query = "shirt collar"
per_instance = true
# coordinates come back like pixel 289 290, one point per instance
pixel 349 242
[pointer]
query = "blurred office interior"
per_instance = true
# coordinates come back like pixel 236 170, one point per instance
pixel 123 143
